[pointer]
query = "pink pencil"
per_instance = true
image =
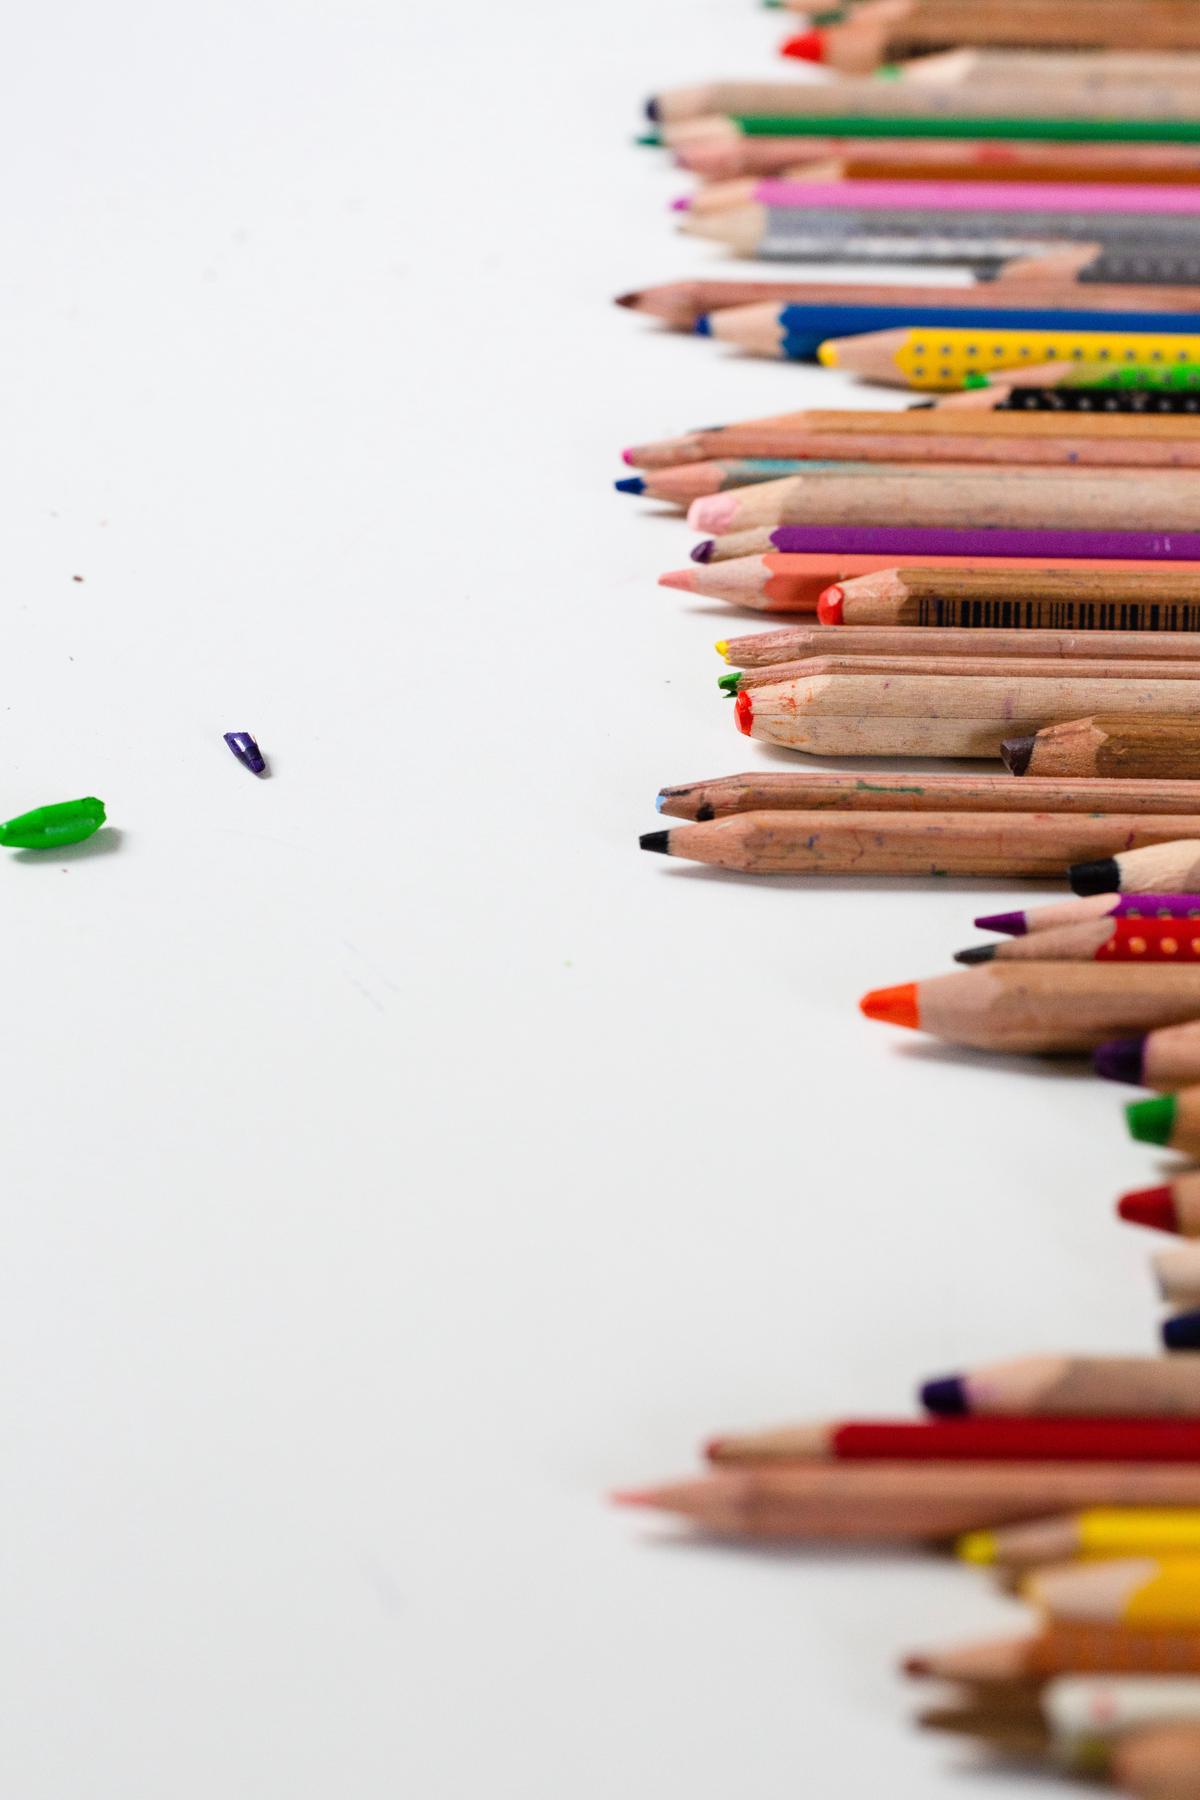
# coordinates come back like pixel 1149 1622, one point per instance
pixel 975 196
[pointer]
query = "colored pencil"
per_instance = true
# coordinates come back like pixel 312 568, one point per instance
pixel 964 125
pixel 1158 1764
pixel 983 241
pixel 800 791
pixel 1182 1331
pixel 909 1501
pixel 1101 941
pixel 1061 1648
pixel 980 667
pixel 947 186
pixel 1151 399
pixel 1143 750
pixel 1049 1007
pixel 765 650
pixel 857 46
pixel 1076 1720
pixel 919 356
pixel 1158 869
pixel 961 542
pixel 1138 1592
pixel 977 1440
pixel 1109 198
pixel 852 713
pixel 1099 1533
pixel 798 330
pixel 1095 906
pixel 1132 1387
pixel 1169 1120
pixel 1164 599
pixel 864 108
pixel 1178 1275
pixel 890 842
pixel 1164 1060
pixel 692 480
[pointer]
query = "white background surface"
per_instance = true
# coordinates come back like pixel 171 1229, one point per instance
pixel 393 1159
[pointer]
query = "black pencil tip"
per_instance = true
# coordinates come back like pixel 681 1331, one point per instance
pixel 1016 754
pixel 977 953
pixel 656 840
pixel 1102 877
pixel 652 111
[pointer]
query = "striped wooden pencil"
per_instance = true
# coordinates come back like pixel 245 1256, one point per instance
pixel 1035 846
pixel 1044 1008
pixel 801 791
pixel 1164 599
pixel 1142 750
pixel 765 650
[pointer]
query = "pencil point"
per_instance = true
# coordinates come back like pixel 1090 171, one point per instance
pixel 1182 1332
pixel 714 1449
pixel 976 1547
pixel 1120 1059
pixel 829 606
pixel 914 1665
pixel 743 712
pixel 679 578
pixel 976 953
pixel 652 110
pixel 630 484
pixel 702 552
pixel 681 203
pixel 808 46
pixel 1102 877
pixel 633 1497
pixel 728 683
pixel 1016 754
pixel 1012 924
pixel 1150 1121
pixel 827 355
pixel 946 1397
pixel 1152 1206
pixel 630 299
pixel 703 326
pixel 893 1005
pixel 660 801
pixel 712 512
pixel 650 140
pixel 722 648
pixel 656 840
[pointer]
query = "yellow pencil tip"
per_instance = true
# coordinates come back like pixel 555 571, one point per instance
pixel 722 648
pixel 977 1547
pixel 827 355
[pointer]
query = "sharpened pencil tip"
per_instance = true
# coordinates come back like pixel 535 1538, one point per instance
pixel 728 683
pixel 627 458
pixel 946 1397
pixel 1182 1332
pixel 1153 1206
pixel 1151 1121
pixel 976 953
pixel 702 552
pixel 1120 1060
pixel 827 354
pixel 681 203
pixel 630 299
pixel 653 112
pixel 807 46
pixel 893 1005
pixel 660 802
pixel 630 484
pixel 1100 877
pixel 703 326
pixel 722 648
pixel 656 840
pixel 830 605
pixel 634 1497
pixel 914 1665
pixel 1017 753
pixel 976 1547
pixel 1012 924
pixel 679 578
pixel 743 712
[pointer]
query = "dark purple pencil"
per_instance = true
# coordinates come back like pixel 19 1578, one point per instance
pixel 903 540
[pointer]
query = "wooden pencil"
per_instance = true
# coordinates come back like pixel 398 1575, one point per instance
pixel 926 545
pixel 1178 1275
pixel 909 1501
pixel 1076 1720
pixel 1170 1120
pixel 764 650
pixel 943 356
pixel 1158 1764
pixel 801 791
pixel 1095 906
pixel 971 1440
pixel 1042 1007
pixel 1160 500
pixel 1156 869
pixel 1033 668
pixel 1133 1387
pixel 850 713
pixel 1100 941
pixel 1162 599
pixel 1142 749
pixel 1147 199
pixel 692 480
pixel 1164 1060
pixel 890 842
pixel 1096 1534
pixel 854 183
pixel 1140 1592
pixel 856 47
pixel 1060 1648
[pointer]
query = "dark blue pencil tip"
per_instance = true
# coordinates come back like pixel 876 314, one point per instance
pixel 947 1396
pixel 702 552
pixel 656 840
pixel 630 484
pixel 703 326
pixel 1182 1332
pixel 652 111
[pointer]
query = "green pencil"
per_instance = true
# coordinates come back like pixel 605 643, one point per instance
pixel 1058 131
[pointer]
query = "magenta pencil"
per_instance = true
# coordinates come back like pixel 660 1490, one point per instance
pixel 915 541
pixel 974 196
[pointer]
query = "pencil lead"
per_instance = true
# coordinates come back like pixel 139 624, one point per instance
pixel 806 46
pixel 656 840
pixel 915 1665
pixel 1012 924
pixel 1152 1206
pixel 702 552
pixel 728 684
pixel 649 140
pixel 681 203
pixel 1016 754
pixel 827 354
pixel 829 606
pixel 660 801
pixel 946 1397
pixel 703 325
pixel 679 578
pixel 1150 1121
pixel 1120 1060
pixel 894 1005
pixel 743 712
pixel 976 1547
pixel 630 484
pixel 627 458
pixel 653 111
pixel 634 1497
pixel 1182 1332
pixel 722 648
pixel 1100 877
pixel 245 747
pixel 976 953
pixel 630 299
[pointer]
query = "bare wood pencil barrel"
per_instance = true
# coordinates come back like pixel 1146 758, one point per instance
pixel 1166 747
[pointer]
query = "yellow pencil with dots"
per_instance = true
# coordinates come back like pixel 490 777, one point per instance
pixel 943 357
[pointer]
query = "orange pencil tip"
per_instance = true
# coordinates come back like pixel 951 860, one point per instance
pixel 743 712
pixel 829 606
pixel 894 1005
pixel 678 578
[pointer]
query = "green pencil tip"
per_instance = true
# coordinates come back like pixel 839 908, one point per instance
pixel 1151 1121
pixel 51 827
pixel 651 138
pixel 728 684
pixel 976 380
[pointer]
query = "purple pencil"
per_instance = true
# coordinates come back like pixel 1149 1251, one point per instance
pixel 945 540
pixel 1094 906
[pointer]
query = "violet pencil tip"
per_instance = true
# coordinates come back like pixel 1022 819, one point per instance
pixel 1120 1060
pixel 702 552
pixel 245 747
pixel 1012 924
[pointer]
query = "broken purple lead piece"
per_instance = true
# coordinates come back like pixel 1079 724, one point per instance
pixel 245 748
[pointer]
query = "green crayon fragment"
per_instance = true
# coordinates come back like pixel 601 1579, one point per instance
pixel 51 827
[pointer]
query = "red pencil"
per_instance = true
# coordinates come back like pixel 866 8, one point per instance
pixel 971 1439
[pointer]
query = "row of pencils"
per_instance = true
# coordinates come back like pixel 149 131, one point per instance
pixel 1004 572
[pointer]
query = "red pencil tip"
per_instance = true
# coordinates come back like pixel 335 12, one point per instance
pixel 829 606
pixel 743 712
pixel 679 578
pixel 627 457
pixel 713 1449
pixel 915 1665
pixel 1153 1206
pixel 808 46
pixel 894 1005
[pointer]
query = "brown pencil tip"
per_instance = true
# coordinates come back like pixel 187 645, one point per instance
pixel 630 299
pixel 1016 754
pixel 714 1450
pixel 914 1665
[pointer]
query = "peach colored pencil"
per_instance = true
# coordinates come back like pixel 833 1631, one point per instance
pixel 802 791
pixel 764 650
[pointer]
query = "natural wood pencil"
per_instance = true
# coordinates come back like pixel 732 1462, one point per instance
pixel 1166 1061
pixel 1159 1763
pixel 1136 1387
pixel 1045 1007
pixel 1164 598
pixel 801 791
pixel 764 650
pixel 1141 749
pixel 1178 1275
pixel 910 1501
pixel 1005 846
pixel 1033 668
pixel 1157 869
pixel 1060 1648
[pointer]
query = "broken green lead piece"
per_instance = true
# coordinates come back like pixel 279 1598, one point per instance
pixel 51 827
